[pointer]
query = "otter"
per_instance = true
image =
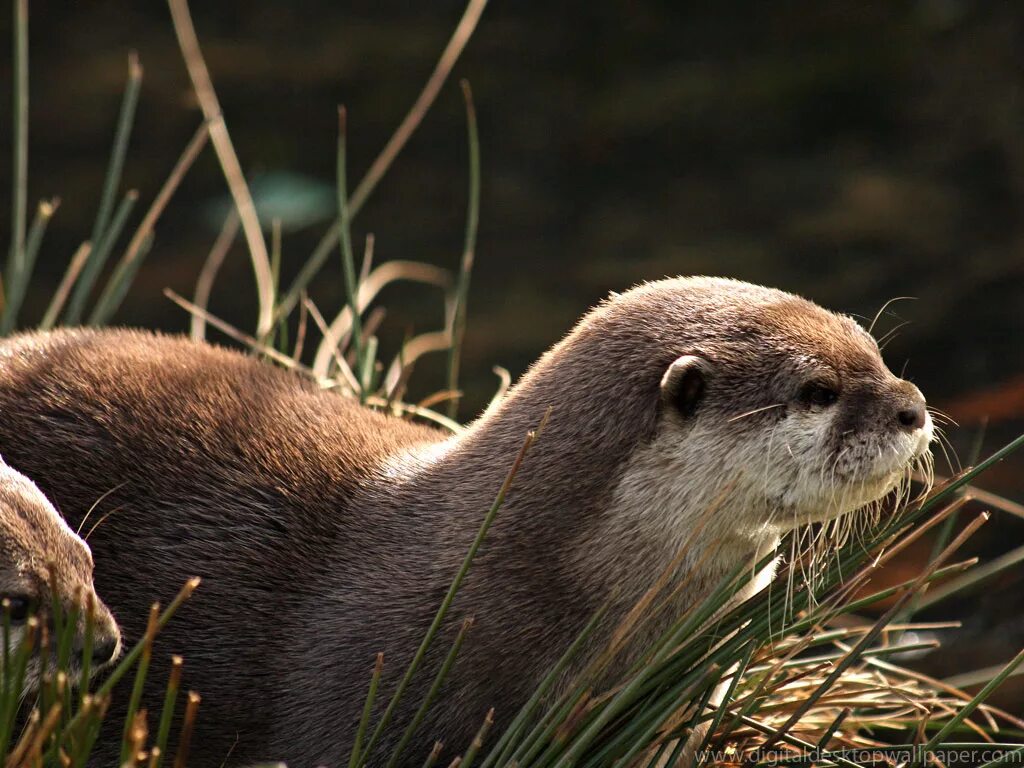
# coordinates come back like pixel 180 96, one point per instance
pixel 34 539
pixel 326 532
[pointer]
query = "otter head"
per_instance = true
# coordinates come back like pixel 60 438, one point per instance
pixel 754 407
pixel 33 540
pixel 786 410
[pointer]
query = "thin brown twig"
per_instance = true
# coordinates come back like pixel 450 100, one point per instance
pixel 441 396
pixel 208 102
pixel 234 333
pixel 185 740
pixel 386 273
pixel 412 350
pixel 300 333
pixel 343 366
pixel 421 106
pixel 204 283
pixel 78 260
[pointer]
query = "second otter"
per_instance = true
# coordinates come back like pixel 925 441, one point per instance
pixel 325 533
pixel 33 539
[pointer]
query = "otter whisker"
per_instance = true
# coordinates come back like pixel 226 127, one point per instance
pixel 95 504
pixel 891 334
pixel 885 306
pixel 790 572
pixel 768 463
pixel 101 521
pixel 944 444
pixel 938 412
pixel 927 473
pixel 756 410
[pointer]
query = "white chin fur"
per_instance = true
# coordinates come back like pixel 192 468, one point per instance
pixel 754 490
pixel 881 479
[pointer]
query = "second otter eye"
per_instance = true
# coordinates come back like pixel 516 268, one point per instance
pixel 819 394
pixel 19 607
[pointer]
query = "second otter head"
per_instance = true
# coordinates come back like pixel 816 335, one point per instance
pixel 35 541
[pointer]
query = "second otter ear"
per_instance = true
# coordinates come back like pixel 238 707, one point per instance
pixel 683 384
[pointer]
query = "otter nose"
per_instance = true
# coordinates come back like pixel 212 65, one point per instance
pixel 912 416
pixel 104 651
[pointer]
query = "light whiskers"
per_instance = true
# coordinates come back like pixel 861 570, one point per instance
pixel 755 411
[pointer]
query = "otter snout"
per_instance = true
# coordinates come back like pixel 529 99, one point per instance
pixel 106 638
pixel 106 652
pixel 911 411
pixel 912 415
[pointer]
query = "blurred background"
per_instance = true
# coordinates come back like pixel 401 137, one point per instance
pixel 851 152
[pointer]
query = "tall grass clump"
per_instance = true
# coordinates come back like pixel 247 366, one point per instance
pixel 800 678
pixel 54 718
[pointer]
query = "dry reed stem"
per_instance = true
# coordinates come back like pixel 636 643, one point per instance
pixel 208 102
pixel 214 261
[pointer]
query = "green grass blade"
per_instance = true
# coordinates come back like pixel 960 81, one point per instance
pixel 122 135
pixel 502 750
pixel 442 611
pixel 357 745
pixel 478 741
pixel 130 658
pixel 435 688
pixel 457 323
pixel 379 168
pixel 720 711
pixel 627 744
pixel 97 259
pixel 116 287
pixel 19 113
pixel 140 681
pixel 167 713
pixel 18 286
pixel 348 262
pixel 435 753
pixel 7 712
pixel 119 285
pixel 88 638
pixel 19 664
pixel 367 372
pixel 974 703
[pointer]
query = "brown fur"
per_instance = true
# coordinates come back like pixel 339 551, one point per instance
pixel 35 546
pixel 326 533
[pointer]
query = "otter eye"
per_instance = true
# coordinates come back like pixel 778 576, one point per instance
pixel 18 606
pixel 819 394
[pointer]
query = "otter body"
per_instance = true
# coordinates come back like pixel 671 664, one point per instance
pixel 326 533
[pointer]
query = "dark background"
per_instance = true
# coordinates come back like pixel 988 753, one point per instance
pixel 849 151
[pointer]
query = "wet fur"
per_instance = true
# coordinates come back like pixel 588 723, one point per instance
pixel 326 533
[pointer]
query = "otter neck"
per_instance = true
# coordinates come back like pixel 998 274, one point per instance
pixel 588 511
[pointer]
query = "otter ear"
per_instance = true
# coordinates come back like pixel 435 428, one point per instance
pixel 683 384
